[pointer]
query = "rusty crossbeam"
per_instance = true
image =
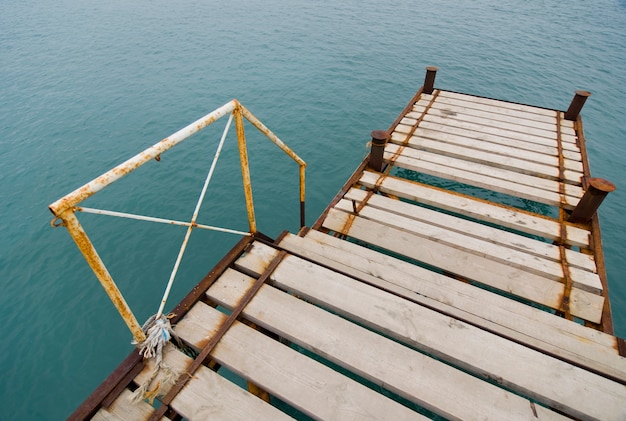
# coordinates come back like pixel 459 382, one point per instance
pixel 64 209
pixel 119 379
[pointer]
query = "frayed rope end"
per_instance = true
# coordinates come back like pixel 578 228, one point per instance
pixel 158 334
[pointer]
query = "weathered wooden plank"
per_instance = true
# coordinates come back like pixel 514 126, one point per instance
pixel 501 276
pixel 303 383
pixel 481 210
pixel 567 127
pixel 512 157
pixel 539 145
pixel 482 169
pixel 497 236
pixel 399 215
pixel 517 163
pixel 484 176
pixel 209 396
pixel 497 109
pixel 479 180
pixel 479 128
pixel 443 108
pixel 481 352
pixel 412 375
pixel 567 135
pixel 124 410
pixel 505 130
pixel 523 144
pixel 497 103
pixel 515 127
pixel 224 401
pixel 536 162
pixel 508 318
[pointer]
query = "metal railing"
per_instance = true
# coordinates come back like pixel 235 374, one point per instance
pixel 65 208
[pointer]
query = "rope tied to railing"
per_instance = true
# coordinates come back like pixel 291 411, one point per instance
pixel 158 332
pixel 157 328
pixel 152 338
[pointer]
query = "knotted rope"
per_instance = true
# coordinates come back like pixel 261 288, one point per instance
pixel 158 332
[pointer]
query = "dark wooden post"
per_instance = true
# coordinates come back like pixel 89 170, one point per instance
pixel 379 139
pixel 577 104
pixel 590 202
pixel 429 80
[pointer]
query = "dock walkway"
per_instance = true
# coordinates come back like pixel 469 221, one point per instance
pixel 407 300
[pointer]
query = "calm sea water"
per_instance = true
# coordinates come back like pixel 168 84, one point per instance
pixel 84 85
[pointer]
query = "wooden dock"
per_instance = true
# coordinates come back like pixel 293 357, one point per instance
pixel 407 300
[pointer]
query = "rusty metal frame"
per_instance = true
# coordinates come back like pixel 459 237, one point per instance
pixel 122 376
pixel 65 208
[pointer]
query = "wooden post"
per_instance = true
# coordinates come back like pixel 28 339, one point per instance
pixel 594 195
pixel 379 139
pixel 429 80
pixel 577 104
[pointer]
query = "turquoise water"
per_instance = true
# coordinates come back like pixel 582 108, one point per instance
pixel 84 85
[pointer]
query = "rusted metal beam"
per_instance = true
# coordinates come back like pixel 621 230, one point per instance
pixel 125 168
pixel 121 377
pixel 302 196
pixel 596 235
pixel 198 291
pixel 85 246
pixel 245 167
pixel 271 136
pixel 92 404
pixel 356 175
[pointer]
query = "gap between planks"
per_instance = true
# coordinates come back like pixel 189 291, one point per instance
pixel 482 210
pixel 481 352
pixel 511 319
pixel 503 277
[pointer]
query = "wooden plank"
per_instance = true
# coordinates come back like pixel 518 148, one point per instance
pixel 444 109
pixel 480 128
pixel 530 152
pixel 551 149
pixel 497 103
pixel 300 381
pixel 539 145
pixel 538 329
pixel 478 209
pixel 480 169
pixel 567 127
pixel 500 109
pixel 501 129
pixel 513 126
pixel 479 180
pixel 511 163
pixel 410 374
pixel 494 235
pixel 466 346
pixel 125 410
pixel 394 213
pixel 208 395
pixel 542 155
pixel 498 275
pixel 526 124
